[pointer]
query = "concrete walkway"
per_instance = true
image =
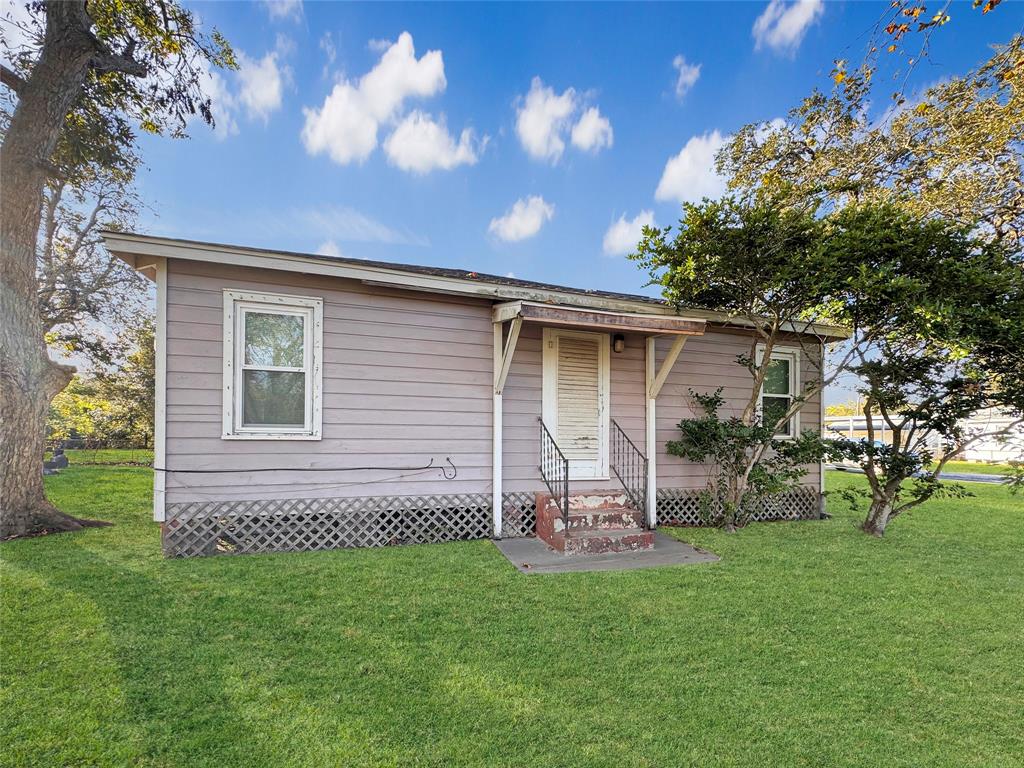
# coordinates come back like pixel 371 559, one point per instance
pixel 534 556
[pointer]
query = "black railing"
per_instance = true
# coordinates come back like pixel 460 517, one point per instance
pixel 554 468
pixel 630 466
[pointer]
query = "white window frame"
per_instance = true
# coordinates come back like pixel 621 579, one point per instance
pixel 236 304
pixel 792 354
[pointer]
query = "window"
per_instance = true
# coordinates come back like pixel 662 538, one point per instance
pixel 779 389
pixel 272 366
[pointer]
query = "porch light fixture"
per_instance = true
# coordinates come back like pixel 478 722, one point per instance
pixel 618 342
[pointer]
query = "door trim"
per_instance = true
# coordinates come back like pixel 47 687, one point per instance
pixel 549 397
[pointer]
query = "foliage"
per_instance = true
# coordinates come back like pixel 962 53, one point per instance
pixel 741 474
pixel 946 314
pixel 151 78
pixel 78 411
pixel 849 408
pixel 115 405
pixel 82 288
pixel 1015 479
pixel 954 154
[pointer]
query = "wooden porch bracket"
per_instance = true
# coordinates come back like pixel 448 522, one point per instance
pixel 654 389
pixel 503 353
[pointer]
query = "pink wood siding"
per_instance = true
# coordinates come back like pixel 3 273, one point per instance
pixel 706 363
pixel 407 377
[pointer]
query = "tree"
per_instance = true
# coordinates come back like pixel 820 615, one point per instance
pixel 113 405
pixel 766 266
pixel 730 449
pixel 129 387
pixel 102 71
pixel 80 286
pixel 956 154
pixel 945 313
pixel 849 408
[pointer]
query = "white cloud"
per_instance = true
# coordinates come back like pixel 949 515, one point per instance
pixel 543 116
pixel 624 234
pixel 511 274
pixel 339 223
pixel 330 50
pixel 329 248
pixel 261 84
pixel 345 127
pixel 782 25
pixel 284 10
pixel 690 175
pixel 544 120
pixel 420 144
pixel 223 103
pixel 592 132
pixel 687 76
pixel 523 220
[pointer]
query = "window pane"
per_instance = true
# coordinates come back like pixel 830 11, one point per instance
pixel 273 339
pixel 774 408
pixel 274 399
pixel 776 380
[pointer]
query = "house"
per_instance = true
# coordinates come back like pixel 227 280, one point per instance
pixel 310 402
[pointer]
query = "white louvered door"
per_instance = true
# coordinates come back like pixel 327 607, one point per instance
pixel 576 398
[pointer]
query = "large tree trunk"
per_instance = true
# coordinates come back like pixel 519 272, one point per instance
pixel 28 378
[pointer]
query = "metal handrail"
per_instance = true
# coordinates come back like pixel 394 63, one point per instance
pixel 554 469
pixel 630 465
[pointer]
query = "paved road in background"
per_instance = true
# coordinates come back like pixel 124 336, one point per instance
pixel 956 476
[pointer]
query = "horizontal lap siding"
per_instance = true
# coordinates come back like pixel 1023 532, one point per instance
pixel 706 363
pixel 406 379
pixel 522 403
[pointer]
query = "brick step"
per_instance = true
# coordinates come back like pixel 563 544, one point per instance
pixel 601 542
pixel 598 522
pixel 607 519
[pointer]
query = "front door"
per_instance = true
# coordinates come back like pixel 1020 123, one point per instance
pixel 575 397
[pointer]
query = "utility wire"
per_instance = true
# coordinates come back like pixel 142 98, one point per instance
pixel 449 474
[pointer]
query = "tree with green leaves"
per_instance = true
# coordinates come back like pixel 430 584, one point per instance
pixel 955 154
pixel 765 265
pixel 945 311
pixel 102 71
pixel 113 405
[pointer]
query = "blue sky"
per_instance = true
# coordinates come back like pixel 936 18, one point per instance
pixel 500 138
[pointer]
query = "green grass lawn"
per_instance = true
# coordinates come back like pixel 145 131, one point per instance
pixel 109 455
pixel 808 644
pixel 977 468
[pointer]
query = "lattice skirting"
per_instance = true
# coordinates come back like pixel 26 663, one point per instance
pixel 303 525
pixel 681 506
pixel 518 515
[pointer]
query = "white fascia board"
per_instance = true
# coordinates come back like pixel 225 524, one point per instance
pixel 129 246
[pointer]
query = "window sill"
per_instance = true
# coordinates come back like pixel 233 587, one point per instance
pixel 270 436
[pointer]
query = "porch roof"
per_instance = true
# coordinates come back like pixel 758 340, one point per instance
pixel 576 317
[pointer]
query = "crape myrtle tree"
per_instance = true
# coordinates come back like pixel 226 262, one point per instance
pixel 945 312
pixel 102 71
pixel 765 265
pixel 932 196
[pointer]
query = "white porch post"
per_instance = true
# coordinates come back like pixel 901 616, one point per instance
pixel 650 423
pixel 497 416
pixel 503 352
pixel 654 380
